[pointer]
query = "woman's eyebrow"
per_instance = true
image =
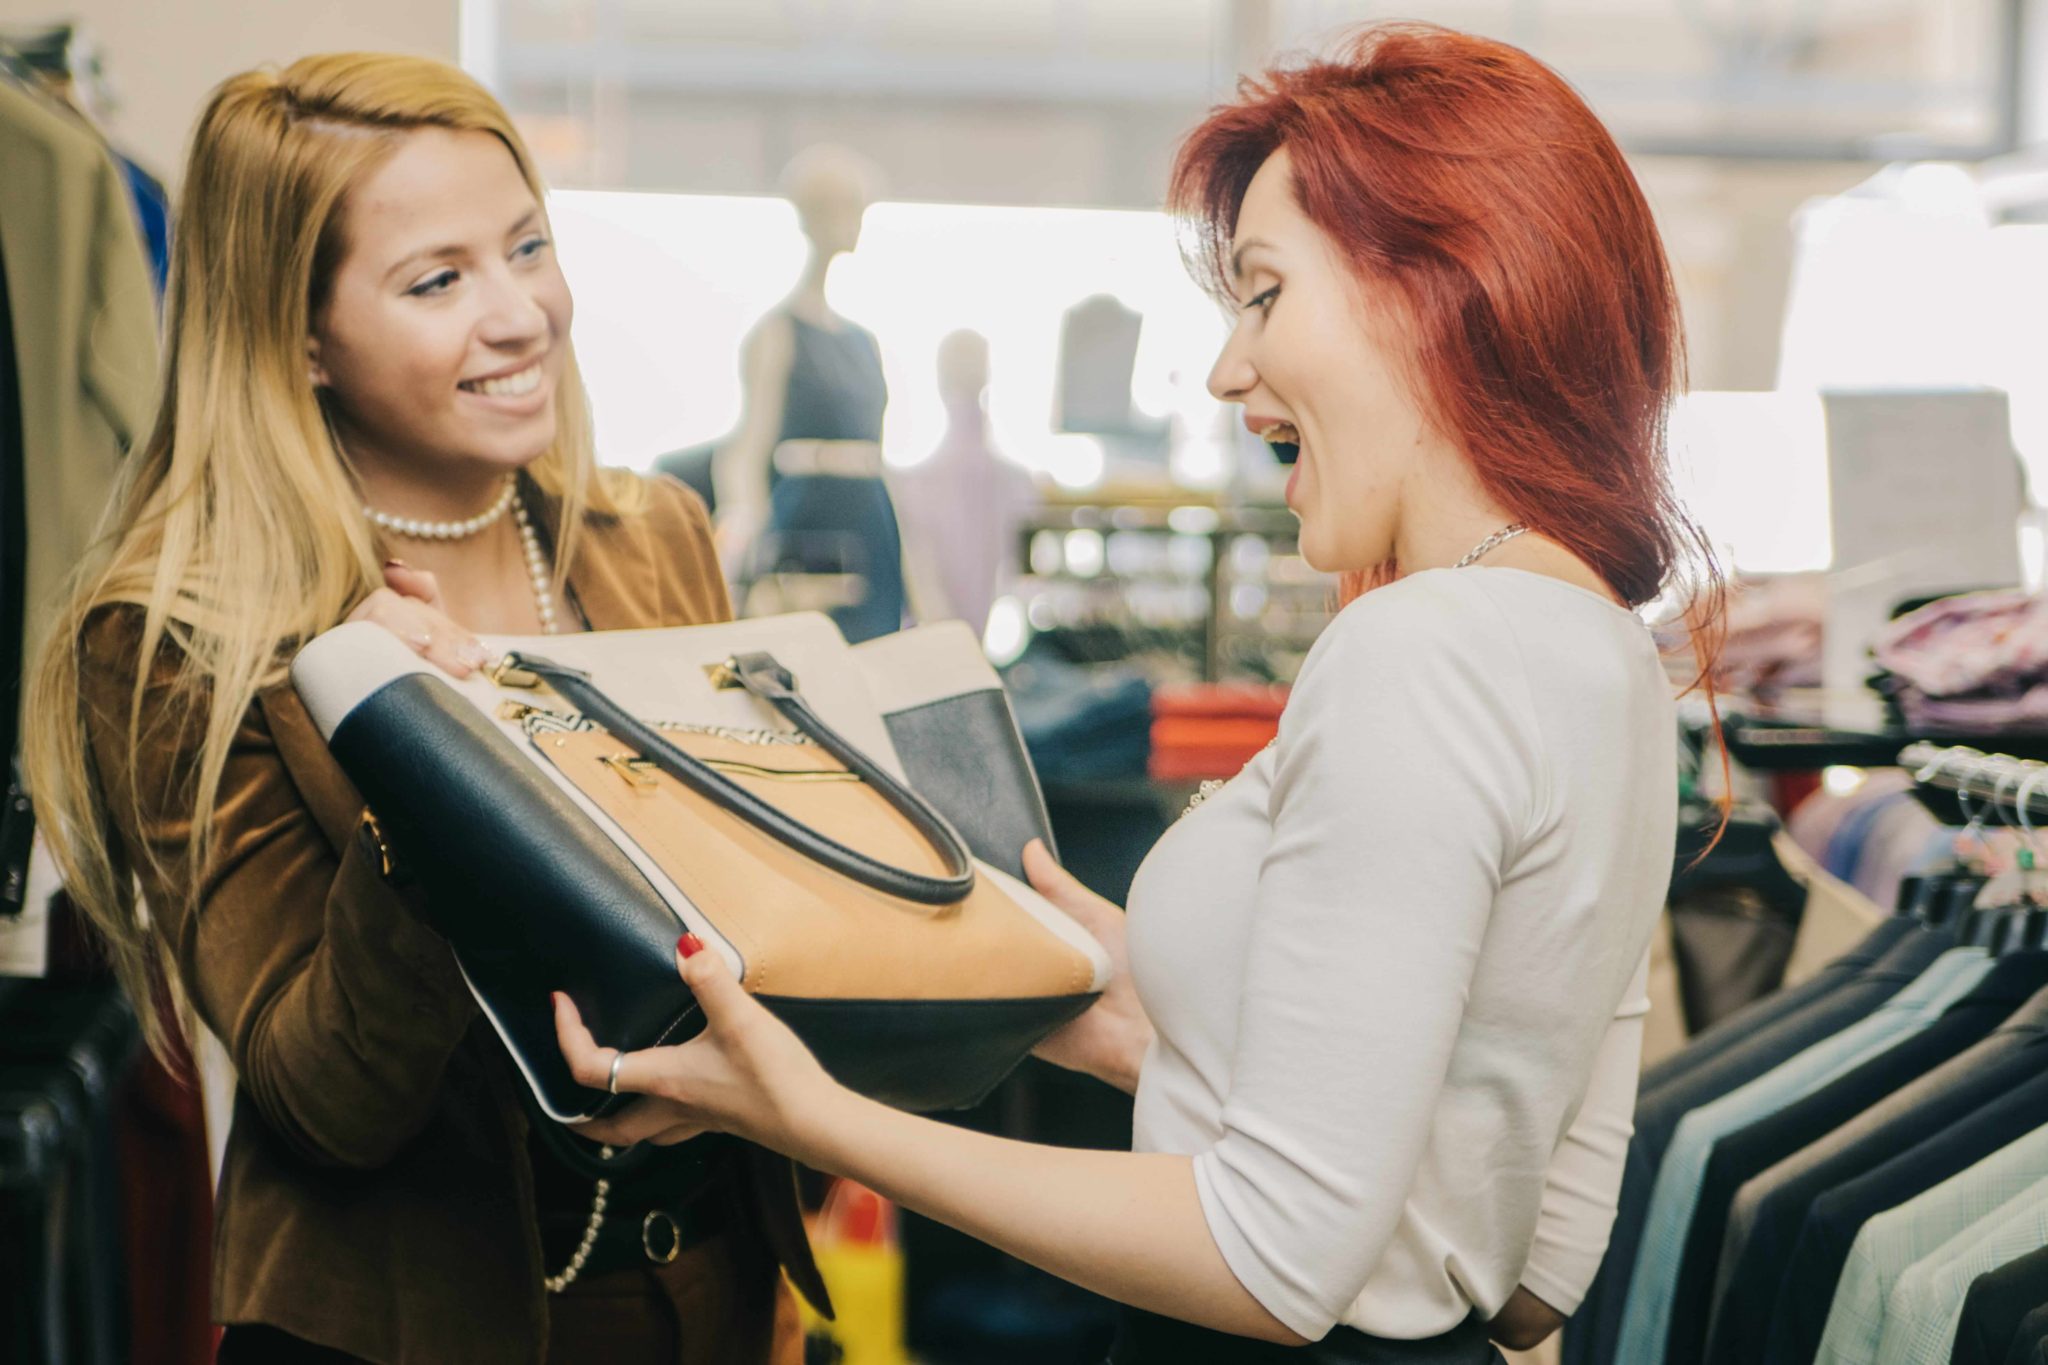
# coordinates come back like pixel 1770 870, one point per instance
pixel 432 253
pixel 452 251
pixel 1237 256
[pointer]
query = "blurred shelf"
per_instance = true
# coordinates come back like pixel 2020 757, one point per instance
pixel 1772 744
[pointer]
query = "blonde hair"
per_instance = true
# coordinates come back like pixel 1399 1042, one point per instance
pixel 234 527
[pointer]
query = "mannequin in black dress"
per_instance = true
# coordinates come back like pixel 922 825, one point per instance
pixel 800 487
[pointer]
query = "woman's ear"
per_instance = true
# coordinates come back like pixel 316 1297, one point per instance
pixel 316 373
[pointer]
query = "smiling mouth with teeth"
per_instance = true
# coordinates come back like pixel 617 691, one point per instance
pixel 1285 441
pixel 505 386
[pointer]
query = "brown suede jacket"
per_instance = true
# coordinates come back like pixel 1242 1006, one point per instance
pixel 377 1196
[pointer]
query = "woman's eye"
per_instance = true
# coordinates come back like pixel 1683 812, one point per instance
pixel 437 283
pixel 1264 301
pixel 531 248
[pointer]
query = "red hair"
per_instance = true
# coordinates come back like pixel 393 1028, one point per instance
pixel 1471 184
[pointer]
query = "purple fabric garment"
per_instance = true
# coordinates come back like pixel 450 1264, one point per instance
pixel 1975 663
pixel 1773 634
pixel 1990 644
pixel 2024 713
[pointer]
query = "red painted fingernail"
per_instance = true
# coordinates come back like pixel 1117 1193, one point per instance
pixel 689 945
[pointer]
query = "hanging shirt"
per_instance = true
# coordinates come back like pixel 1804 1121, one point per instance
pixel 1926 1304
pixel 1647 1322
pixel 1893 1241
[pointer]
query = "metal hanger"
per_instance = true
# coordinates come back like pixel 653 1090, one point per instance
pixel 2034 920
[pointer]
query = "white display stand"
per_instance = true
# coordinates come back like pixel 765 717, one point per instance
pixel 1925 492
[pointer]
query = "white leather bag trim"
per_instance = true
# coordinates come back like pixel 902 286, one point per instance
pixel 917 667
pixel 659 675
pixel 345 665
pixel 656 673
pixel 1055 919
pixel 518 1057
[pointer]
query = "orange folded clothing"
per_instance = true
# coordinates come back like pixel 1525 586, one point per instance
pixel 1191 732
pixel 1197 765
pixel 1191 748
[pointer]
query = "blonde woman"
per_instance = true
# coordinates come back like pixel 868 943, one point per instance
pixel 370 411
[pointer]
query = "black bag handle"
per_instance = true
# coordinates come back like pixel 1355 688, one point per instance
pixel 762 676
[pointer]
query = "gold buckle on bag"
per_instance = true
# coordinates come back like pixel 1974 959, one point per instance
pixel 517 712
pixel 369 825
pixel 504 673
pixel 675 1238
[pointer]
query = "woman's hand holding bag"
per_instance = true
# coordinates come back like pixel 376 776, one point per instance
pixel 747 1073
pixel 409 606
pixel 1108 1042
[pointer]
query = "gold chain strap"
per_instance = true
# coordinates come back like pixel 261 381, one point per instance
pixel 539 720
pixel 557 1283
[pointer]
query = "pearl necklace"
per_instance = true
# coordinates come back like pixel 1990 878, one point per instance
pixel 419 529
pixel 536 566
pixel 529 542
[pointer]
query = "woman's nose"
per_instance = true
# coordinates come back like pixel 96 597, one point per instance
pixel 512 314
pixel 1232 376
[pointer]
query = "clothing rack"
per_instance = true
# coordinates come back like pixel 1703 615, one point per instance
pixel 1957 782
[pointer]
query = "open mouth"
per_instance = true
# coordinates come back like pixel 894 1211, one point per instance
pixel 1285 441
pixel 515 385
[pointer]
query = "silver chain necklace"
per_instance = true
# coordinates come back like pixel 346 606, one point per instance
pixel 1492 543
pixel 1479 551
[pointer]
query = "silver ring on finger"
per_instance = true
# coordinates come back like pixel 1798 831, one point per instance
pixel 612 1085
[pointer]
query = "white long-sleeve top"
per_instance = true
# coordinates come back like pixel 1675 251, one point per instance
pixel 1398 965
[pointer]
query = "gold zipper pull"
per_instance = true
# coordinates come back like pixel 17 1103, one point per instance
pixel 637 772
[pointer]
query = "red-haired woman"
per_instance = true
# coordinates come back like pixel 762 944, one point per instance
pixel 1384 1003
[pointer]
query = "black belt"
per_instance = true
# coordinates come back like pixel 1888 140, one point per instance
pixel 661 1201
pixel 1148 1339
pixel 647 1233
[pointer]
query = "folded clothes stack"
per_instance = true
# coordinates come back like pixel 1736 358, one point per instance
pixel 1773 636
pixel 1977 662
pixel 1082 723
pixel 1210 730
